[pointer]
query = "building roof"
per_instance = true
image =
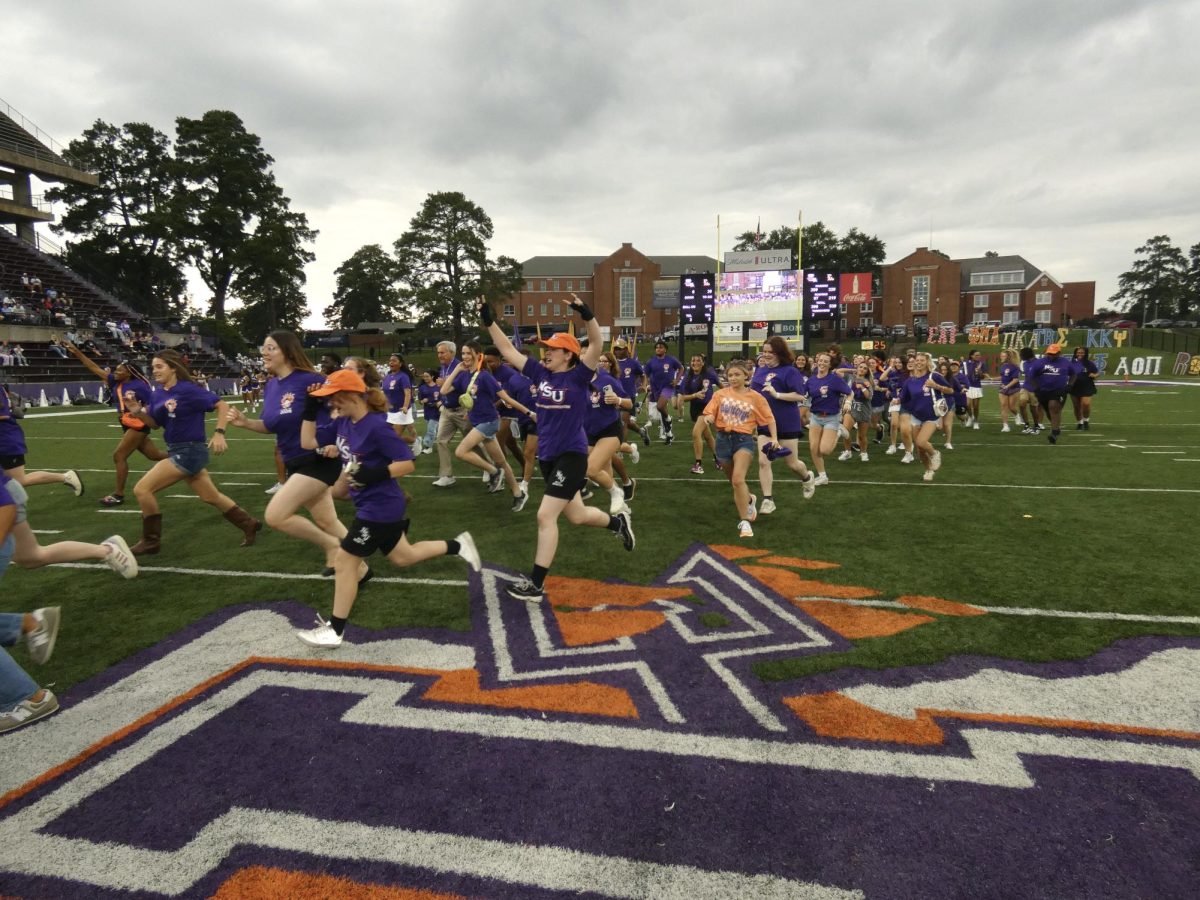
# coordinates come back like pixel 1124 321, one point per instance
pixel 981 264
pixel 584 266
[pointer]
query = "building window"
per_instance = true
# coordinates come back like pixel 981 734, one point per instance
pixel 1043 298
pixel 843 325
pixel 1041 315
pixel 843 308
pixel 1009 317
pixel 978 318
pixel 628 297
pixel 920 293
pixel 983 279
pixel 529 285
pixel 869 306
pixel 557 310
pixel 981 301
pixel 529 310
pixel 544 307
pixel 510 309
pixel 866 321
pixel 1012 298
pixel 556 287
pixel 543 286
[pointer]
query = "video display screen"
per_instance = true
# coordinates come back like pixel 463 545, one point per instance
pixel 753 296
pixel 697 293
pixel 822 292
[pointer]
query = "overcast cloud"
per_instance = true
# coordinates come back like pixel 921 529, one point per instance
pixel 1063 131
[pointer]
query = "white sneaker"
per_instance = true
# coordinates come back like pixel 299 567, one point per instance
pixel 809 485
pixel 519 501
pixel 890 451
pixel 616 500
pixel 751 510
pixel 768 507
pixel 71 479
pixel 823 478
pixel 448 480
pixel 842 432
pixel 28 711
pixel 468 551
pixel 975 425
pixel 635 455
pixel 426 451
pixel 45 633
pixel 935 461
pixel 744 529
pixel 486 477
pixel 1005 428
pixel 949 446
pixel 928 476
pixel 969 422
pixel 274 489
pixel 322 636
pixel 864 457
pixel 120 560
pixel 844 455
pixel 907 458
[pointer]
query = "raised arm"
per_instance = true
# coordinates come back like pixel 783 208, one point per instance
pixel 511 354
pixel 88 364
pixel 591 353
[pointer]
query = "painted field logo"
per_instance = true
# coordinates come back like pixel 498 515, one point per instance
pixel 614 741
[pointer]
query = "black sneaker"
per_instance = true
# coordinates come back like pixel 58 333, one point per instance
pixel 854 448
pixel 1086 425
pixel 1079 426
pixel 626 531
pixel 519 501
pixel 646 437
pixel 669 439
pixel 496 482
pixel 586 493
pixel 628 489
pixel 879 434
pixel 526 590
pixel 1053 437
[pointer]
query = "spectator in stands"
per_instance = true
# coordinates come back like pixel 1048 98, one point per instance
pixel 56 347
pixel 6 357
pixel 19 354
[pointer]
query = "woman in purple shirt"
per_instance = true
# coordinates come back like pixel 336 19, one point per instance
pixel 178 407
pixel 1010 387
pixel 309 476
pixel 477 390
pixel 563 382
pixel 605 434
pixel 917 397
pixel 782 385
pixel 826 391
pixel 430 398
pixel 697 387
pixel 373 456
pixel 397 387
pixel 975 369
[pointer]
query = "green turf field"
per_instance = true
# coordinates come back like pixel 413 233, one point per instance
pixel 1105 522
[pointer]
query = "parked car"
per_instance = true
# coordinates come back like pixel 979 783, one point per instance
pixel 1159 323
pixel 1122 323
pixel 878 331
pixel 1187 323
pixel 900 330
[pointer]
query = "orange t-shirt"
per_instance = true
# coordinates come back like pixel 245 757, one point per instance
pixel 742 412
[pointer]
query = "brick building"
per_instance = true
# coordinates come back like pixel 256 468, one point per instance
pixel 926 288
pixel 618 287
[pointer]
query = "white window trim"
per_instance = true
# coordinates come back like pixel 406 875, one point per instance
pixel 1043 298
pixel 982 301
pixel 1012 298
pixel 982 279
pixel 510 309
pixel 1041 316
pixel 919 303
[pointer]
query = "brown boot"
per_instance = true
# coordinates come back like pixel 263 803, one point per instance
pixel 151 541
pixel 250 526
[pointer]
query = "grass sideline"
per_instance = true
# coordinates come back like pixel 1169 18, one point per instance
pixel 1104 522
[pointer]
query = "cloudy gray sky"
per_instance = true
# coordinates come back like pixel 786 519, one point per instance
pixel 1063 131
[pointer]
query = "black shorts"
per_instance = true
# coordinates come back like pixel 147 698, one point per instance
pixel 616 429
pixel 696 409
pixel 564 475
pixel 1083 387
pixel 1044 398
pixel 526 428
pixel 322 468
pixel 783 435
pixel 12 462
pixel 364 538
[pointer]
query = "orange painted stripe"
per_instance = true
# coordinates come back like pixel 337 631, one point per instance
pixel 1046 722
pixel 835 715
pixel 579 629
pixel 585 697
pixel 792 585
pixel 940 606
pixel 733 551
pixel 586 593
pixel 856 622
pixel 796 563
pixel 263 883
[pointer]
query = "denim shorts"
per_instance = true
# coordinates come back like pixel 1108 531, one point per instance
pixel 488 429
pixel 191 457
pixel 830 421
pixel 19 497
pixel 730 442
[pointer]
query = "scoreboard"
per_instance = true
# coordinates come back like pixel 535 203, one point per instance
pixel 697 294
pixel 822 292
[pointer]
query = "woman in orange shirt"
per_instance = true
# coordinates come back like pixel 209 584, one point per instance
pixel 737 412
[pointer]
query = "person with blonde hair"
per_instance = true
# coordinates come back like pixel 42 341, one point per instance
pixel 925 397
pixel 826 390
pixel 782 385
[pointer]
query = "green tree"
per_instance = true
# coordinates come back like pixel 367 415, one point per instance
pixel 443 264
pixel 366 289
pixel 1190 299
pixel 271 286
pixel 124 231
pixel 1156 284
pixel 822 248
pixel 236 220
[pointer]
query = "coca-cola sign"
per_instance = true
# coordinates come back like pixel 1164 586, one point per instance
pixel 856 287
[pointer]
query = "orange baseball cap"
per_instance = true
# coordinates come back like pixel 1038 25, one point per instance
pixel 1054 348
pixel 341 380
pixel 563 341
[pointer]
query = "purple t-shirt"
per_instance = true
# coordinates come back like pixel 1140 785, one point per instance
pixel 134 387
pixel 662 372
pixel 629 373
pixel 826 392
pixel 283 412
pixel 12 438
pixel 561 401
pixel 916 397
pixel 521 390
pixel 450 402
pixel 1026 373
pixel 705 381
pixel 180 411
pixel 1008 372
pixel 372 442
pixel 785 380
pixel 974 370
pixel 394 386
pixel 600 415
pixel 1052 373
pixel 484 391
pixel 428 396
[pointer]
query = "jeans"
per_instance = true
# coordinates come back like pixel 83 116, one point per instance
pixel 15 685
pixel 431 427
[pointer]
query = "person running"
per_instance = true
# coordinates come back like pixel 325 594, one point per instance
pixel 663 373
pixel 308 476
pixel 857 420
pixel 782 385
pixel 737 412
pixel 126 379
pixel 631 375
pixel 805 366
pixel 475 389
pixel 894 378
pixel 563 383
pixel 429 397
pixel 956 403
pixel 697 387
pixel 602 424
pixel 1010 389
pixel 1083 389
pixel 826 391
pixel 178 406
pixel 975 370
pixel 398 388
pixel 523 389
pixel 373 456
pixel 1031 412
pixel 1052 378
pixel 877 363
pixel 924 397
pixel 13 450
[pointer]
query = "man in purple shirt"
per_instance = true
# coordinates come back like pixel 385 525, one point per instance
pixel 663 373
pixel 631 375
pixel 1051 377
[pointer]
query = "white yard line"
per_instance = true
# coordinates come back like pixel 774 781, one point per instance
pixel 281 576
